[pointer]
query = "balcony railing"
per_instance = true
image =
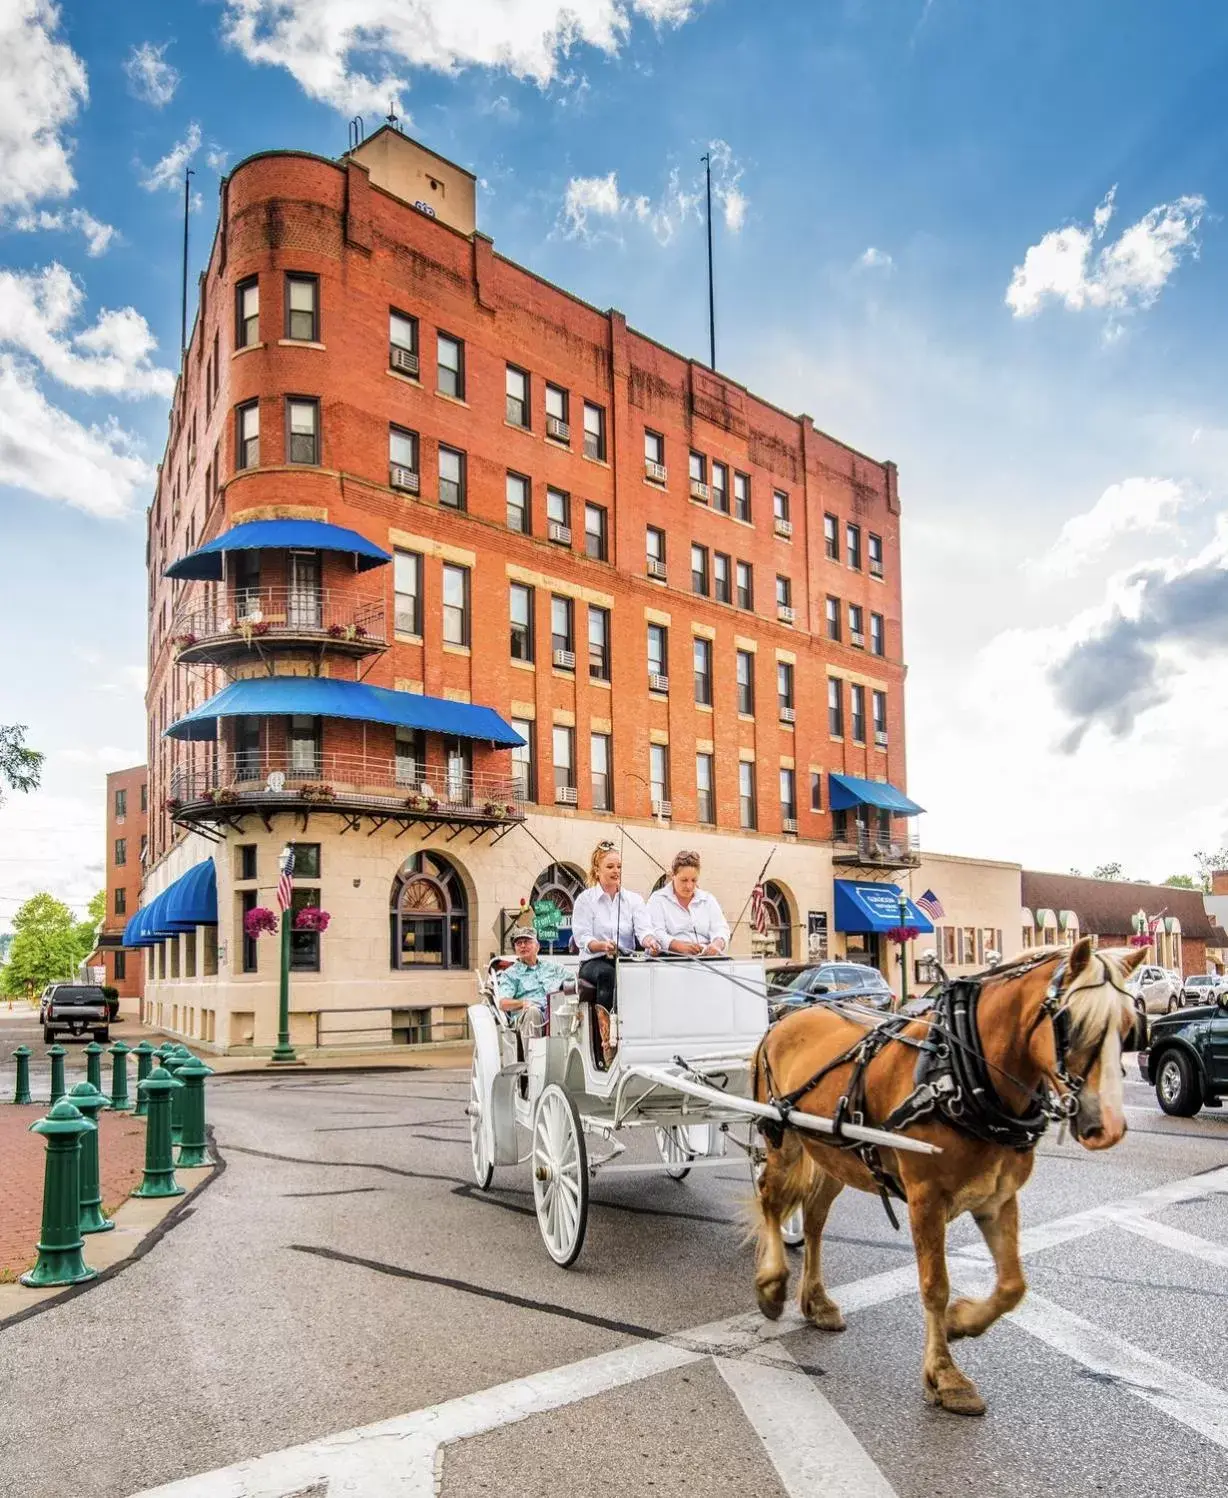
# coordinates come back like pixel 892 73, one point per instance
pixel 220 629
pixel 873 848
pixel 356 783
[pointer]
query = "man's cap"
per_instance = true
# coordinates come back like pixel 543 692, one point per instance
pixel 519 933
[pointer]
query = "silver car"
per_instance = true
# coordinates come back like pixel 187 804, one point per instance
pixel 1204 988
pixel 1160 995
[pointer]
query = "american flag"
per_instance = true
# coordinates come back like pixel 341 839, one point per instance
pixel 758 910
pixel 285 887
pixel 931 904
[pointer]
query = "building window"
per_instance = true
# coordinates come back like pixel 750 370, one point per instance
pixel 247 435
pixel 144 796
pixel 303 427
pixel 697 468
pixel 780 506
pixel 599 761
pixel 121 901
pixel 246 861
pixel 705 800
pixel 784 593
pixel 703 671
pixel 832 611
pixel 451 478
pixel 857 622
pixel 816 790
pixel 450 366
pixel 304 945
pixel 658 654
pixel 720 488
pixel 784 688
pixel 429 915
pixel 857 712
pixel 655 547
pixel 121 803
pixel 595 544
pixel 598 643
pixel 407 601
pixel 654 454
pixel 558 509
pixel 306 860
pixel 745 593
pixel 121 851
pixel 304 746
pixel 562 621
pixel 247 313
pixel 874 554
pixel 699 569
pixel 248 900
pixel 144 854
pixel 741 496
pixel 564 744
pixel 455 604
pixel 411 756
pixel 658 777
pixel 779 919
pixel 120 970
pixel 403 342
pixel 748 816
pixel 403 458
pixel 517 404
pixel 788 795
pixel 518 503
pixel 557 406
pixel 520 601
pixel 878 706
pixel 594 431
pixel 303 308
pixel 746 681
pixel 831 538
pixel 835 707
pixel 720 577
pixel 878 642
pixel 524 760
pixel 852 545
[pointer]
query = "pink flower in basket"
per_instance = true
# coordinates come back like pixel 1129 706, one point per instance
pixel 311 918
pixel 258 920
pixel 903 933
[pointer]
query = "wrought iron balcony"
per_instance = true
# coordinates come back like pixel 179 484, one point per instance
pixel 874 848
pixel 250 619
pixel 351 786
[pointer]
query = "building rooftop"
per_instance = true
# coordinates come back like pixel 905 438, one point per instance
pixel 1106 907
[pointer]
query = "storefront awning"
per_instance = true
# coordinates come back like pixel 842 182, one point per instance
pixel 875 907
pixel 847 791
pixel 205 563
pixel 189 902
pixel 323 697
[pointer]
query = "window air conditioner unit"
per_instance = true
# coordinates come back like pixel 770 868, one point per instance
pixel 788 715
pixel 880 738
pixel 559 532
pixel 657 683
pixel 857 639
pixel 700 491
pixel 656 568
pixel 565 660
pixel 401 477
pixel 783 528
pixel 876 569
pixel 788 824
pixel 566 795
pixel 557 428
pixel 655 471
pixel 662 808
pixel 403 360
pixel 784 613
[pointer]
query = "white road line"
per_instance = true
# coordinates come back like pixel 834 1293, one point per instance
pixel 1178 1239
pixel 813 1450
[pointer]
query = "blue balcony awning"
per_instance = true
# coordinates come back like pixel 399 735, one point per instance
pixel 847 791
pixel 205 563
pixel 875 907
pixel 324 697
pixel 134 931
pixel 189 902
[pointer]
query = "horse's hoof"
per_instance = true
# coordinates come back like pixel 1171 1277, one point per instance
pixel 827 1318
pixel 961 1400
pixel 960 1320
pixel 771 1299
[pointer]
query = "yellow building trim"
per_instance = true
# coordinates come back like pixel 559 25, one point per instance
pixel 600 725
pixel 455 694
pixel 408 684
pixel 855 676
pixel 746 756
pixel 786 762
pixel 744 644
pixel 658 736
pixel 656 616
pixel 429 547
pixel 524 709
pixel 788 656
pixel 703 631
pixel 561 586
pixel 704 746
pixel 562 718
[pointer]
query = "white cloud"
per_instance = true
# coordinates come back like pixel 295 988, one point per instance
pixel 42 86
pixel 593 205
pixel 875 259
pixel 150 76
pixel 598 196
pixel 355 56
pixel 1134 505
pixel 216 158
pixel 47 452
pixel 111 356
pixel 98 236
pixel 1126 274
pixel 726 185
pixel 168 173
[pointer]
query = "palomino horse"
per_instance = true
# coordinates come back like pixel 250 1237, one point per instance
pixel 994 1060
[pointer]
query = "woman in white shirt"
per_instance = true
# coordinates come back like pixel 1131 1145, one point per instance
pixel 606 920
pixel 686 919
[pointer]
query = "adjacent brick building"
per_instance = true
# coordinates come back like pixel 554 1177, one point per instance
pixel 127 836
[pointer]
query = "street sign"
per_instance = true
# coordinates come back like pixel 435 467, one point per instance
pixel 547 917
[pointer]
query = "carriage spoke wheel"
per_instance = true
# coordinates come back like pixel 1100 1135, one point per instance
pixel 560 1175
pixel 483 1166
pixel 672 1146
pixel 793 1227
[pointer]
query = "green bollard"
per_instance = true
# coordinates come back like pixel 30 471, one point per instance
pixel 171 1063
pixel 60 1260
pixel 159 1179
pixel 194 1146
pixel 58 1089
pixel 89 1102
pixel 119 1077
pixel 93 1067
pixel 22 1057
pixel 144 1054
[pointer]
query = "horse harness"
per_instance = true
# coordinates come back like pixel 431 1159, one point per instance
pixel 952 1079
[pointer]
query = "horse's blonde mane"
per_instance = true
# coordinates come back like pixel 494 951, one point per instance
pixel 1097 998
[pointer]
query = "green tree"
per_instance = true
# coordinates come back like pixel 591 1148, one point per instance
pixel 87 930
pixel 1182 881
pixel 1211 863
pixel 1108 871
pixel 21 767
pixel 46 945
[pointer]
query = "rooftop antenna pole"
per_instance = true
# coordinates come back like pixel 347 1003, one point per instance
pixel 706 158
pixel 183 306
pixel 392 117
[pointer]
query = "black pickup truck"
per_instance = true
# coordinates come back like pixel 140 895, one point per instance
pixel 74 1008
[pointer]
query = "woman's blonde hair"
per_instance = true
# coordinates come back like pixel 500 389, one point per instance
pixel 684 860
pixel 594 863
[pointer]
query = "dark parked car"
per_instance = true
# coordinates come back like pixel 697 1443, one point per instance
pixel 1187 1059
pixel 74 1008
pixel 796 986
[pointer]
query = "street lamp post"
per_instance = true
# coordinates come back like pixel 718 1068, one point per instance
pixel 903 949
pixel 283 1050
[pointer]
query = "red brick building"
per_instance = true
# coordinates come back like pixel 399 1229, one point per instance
pixel 684 600
pixel 127 835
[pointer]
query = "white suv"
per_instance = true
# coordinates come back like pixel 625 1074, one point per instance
pixel 1157 990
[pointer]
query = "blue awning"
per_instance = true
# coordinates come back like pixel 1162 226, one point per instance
pixel 875 907
pixel 189 902
pixel 846 791
pixel 205 563
pixel 134 931
pixel 324 697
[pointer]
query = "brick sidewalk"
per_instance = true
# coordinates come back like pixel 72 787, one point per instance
pixel 121 1148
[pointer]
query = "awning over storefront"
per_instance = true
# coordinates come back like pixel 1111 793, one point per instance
pixel 205 563
pixel 323 697
pixel 875 907
pixel 134 931
pixel 189 902
pixel 847 791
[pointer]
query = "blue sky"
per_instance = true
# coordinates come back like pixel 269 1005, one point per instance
pixel 985 241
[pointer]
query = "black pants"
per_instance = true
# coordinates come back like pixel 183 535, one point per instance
pixel 599 971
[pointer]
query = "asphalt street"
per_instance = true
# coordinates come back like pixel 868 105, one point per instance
pixel 344 1270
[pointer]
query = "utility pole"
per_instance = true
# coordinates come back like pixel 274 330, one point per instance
pixel 183 306
pixel 706 158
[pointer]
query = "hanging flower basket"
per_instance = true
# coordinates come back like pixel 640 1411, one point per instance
pixel 1140 940
pixel 902 934
pixel 418 802
pixel 311 918
pixel 185 640
pixel 173 803
pixel 318 791
pixel 258 920
pixel 498 809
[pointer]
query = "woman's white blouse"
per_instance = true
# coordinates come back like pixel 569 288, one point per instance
pixel 701 921
pixel 594 915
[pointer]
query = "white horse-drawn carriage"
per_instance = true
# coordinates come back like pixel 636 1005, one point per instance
pixel 685 1031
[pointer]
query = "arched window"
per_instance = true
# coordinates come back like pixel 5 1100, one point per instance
pixel 779 918
pixel 558 884
pixel 429 914
pixel 662 881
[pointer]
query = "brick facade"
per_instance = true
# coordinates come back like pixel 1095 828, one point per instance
pixel 127 830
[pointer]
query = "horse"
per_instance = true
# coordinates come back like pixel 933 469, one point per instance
pixel 997 1058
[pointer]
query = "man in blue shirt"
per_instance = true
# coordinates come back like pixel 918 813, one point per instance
pixel 530 978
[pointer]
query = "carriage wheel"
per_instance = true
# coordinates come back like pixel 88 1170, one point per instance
pixel 560 1175
pixel 483 1167
pixel 672 1147
pixel 793 1227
